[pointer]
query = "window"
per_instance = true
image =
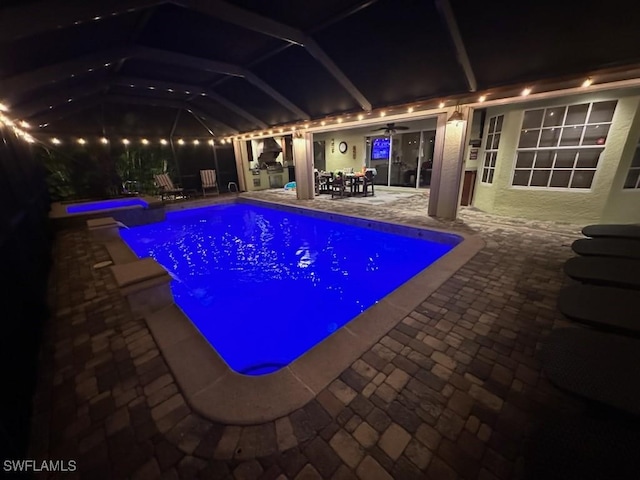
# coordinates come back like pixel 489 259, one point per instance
pixel 491 148
pixel 560 147
pixel 633 177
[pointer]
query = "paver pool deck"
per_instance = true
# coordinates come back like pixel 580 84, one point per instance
pixel 451 392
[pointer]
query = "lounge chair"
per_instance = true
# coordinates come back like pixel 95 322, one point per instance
pixel 607 247
pixel 598 366
pixel 615 272
pixel 605 308
pixel 616 231
pixel 209 181
pixel 166 186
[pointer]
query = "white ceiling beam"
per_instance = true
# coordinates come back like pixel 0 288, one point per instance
pixel 18 85
pixel 46 15
pixel 219 67
pixel 56 99
pixel 189 90
pixel 65 111
pixel 446 12
pixel 180 59
pixel 245 18
pixel 252 21
pixel 167 103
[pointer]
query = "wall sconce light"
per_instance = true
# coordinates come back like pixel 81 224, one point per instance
pixel 456 116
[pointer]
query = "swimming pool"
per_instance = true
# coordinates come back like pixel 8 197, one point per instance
pixel 264 285
pixel 106 205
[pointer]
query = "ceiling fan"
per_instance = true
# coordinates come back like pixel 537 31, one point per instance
pixel 390 129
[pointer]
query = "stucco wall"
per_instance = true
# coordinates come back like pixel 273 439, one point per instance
pixel 336 160
pixel 566 205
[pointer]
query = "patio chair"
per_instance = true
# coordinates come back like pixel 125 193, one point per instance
pixel 367 181
pixel 338 186
pixel 166 186
pixel 209 181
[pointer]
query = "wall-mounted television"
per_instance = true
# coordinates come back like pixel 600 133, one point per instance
pixel 380 149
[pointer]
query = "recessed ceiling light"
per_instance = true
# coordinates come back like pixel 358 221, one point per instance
pixel 525 92
pixel 145 141
pixel 410 109
pixel 56 141
pixel 104 141
pixel 163 141
pixel 383 113
pixel 441 105
pixel 24 124
pixel 3 107
pixel 180 141
pixel 211 142
pixel 482 98
pixel 323 123
pixel 196 142
pixel 587 82
pixel 339 120
pixel 82 141
pixel 360 117
pixel 125 141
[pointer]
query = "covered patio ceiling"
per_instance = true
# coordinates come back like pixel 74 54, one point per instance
pixel 202 67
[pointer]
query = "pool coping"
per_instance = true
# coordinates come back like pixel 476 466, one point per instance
pixel 59 209
pixel 218 393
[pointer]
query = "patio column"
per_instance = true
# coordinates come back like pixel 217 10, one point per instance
pixel 448 166
pixel 303 162
pixel 242 159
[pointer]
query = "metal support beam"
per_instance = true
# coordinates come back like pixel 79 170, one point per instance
pixel 316 52
pixel 446 12
pixel 246 19
pixel 163 56
pixel 18 85
pixel 46 15
pixel 252 21
pixel 167 103
pixel 195 90
pixel 66 110
pixel 57 99
pixel 180 59
pixel 256 82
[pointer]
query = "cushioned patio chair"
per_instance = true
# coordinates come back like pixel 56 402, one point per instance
pixel 209 181
pixel 615 272
pixel 601 367
pixel 367 182
pixel 166 186
pixel 607 247
pixel 616 231
pixel 604 308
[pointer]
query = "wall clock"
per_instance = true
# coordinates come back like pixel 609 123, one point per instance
pixel 343 147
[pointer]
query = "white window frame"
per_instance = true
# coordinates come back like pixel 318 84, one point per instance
pixel 633 168
pixel 558 148
pixel 490 155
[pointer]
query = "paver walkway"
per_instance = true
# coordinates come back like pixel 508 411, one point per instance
pixel 451 392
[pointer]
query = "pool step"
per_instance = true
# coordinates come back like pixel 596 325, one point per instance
pixel 103 229
pixel 145 284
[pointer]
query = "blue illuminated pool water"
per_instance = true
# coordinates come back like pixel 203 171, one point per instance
pixel 106 205
pixel 264 285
